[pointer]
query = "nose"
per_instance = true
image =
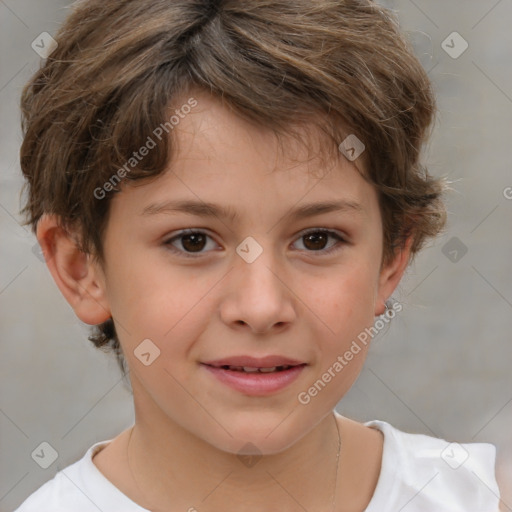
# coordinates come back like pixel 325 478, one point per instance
pixel 259 296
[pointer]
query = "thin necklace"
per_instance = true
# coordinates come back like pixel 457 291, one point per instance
pixel 338 451
pixel 131 472
pixel 335 475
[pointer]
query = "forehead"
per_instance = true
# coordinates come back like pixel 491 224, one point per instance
pixel 220 157
pixel 214 121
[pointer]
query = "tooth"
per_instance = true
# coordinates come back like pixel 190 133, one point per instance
pixel 268 370
pixel 250 370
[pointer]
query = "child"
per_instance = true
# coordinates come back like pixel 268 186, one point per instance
pixel 230 192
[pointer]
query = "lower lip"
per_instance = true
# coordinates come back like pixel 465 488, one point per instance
pixel 256 384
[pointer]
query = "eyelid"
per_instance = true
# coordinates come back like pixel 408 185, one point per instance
pixel 342 239
pixel 182 232
pixel 323 229
pixel 339 235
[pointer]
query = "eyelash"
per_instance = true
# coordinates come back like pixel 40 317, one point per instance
pixel 334 248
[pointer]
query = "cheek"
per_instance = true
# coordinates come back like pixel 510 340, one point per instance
pixel 343 302
pixel 170 307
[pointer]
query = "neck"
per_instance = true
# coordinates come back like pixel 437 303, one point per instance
pixel 173 469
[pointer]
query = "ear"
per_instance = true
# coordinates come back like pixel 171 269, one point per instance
pixel 391 274
pixel 79 279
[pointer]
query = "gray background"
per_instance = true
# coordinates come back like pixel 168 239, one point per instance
pixel 442 368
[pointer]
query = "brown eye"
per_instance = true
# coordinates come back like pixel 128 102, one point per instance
pixel 317 240
pixel 193 242
pixel 189 243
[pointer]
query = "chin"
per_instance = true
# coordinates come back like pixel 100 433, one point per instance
pixel 258 437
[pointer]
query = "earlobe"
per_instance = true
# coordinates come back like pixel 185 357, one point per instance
pixel 79 279
pixel 391 275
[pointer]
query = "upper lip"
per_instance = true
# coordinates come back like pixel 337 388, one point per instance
pixel 254 362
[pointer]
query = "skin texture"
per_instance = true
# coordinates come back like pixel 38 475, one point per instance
pixel 293 300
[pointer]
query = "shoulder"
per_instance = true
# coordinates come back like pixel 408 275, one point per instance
pixel 427 473
pixel 56 495
pixel 79 487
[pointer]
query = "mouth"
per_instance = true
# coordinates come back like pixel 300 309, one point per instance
pixel 250 369
pixel 255 376
pixel 250 364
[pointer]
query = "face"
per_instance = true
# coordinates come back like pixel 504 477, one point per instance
pixel 261 279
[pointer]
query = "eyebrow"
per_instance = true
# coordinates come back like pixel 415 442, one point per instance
pixel 205 209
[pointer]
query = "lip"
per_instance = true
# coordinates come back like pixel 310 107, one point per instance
pixel 255 362
pixel 256 384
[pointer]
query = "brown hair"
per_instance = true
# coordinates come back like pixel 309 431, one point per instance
pixel 120 64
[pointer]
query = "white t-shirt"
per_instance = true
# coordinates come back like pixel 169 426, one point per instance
pixel 418 474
